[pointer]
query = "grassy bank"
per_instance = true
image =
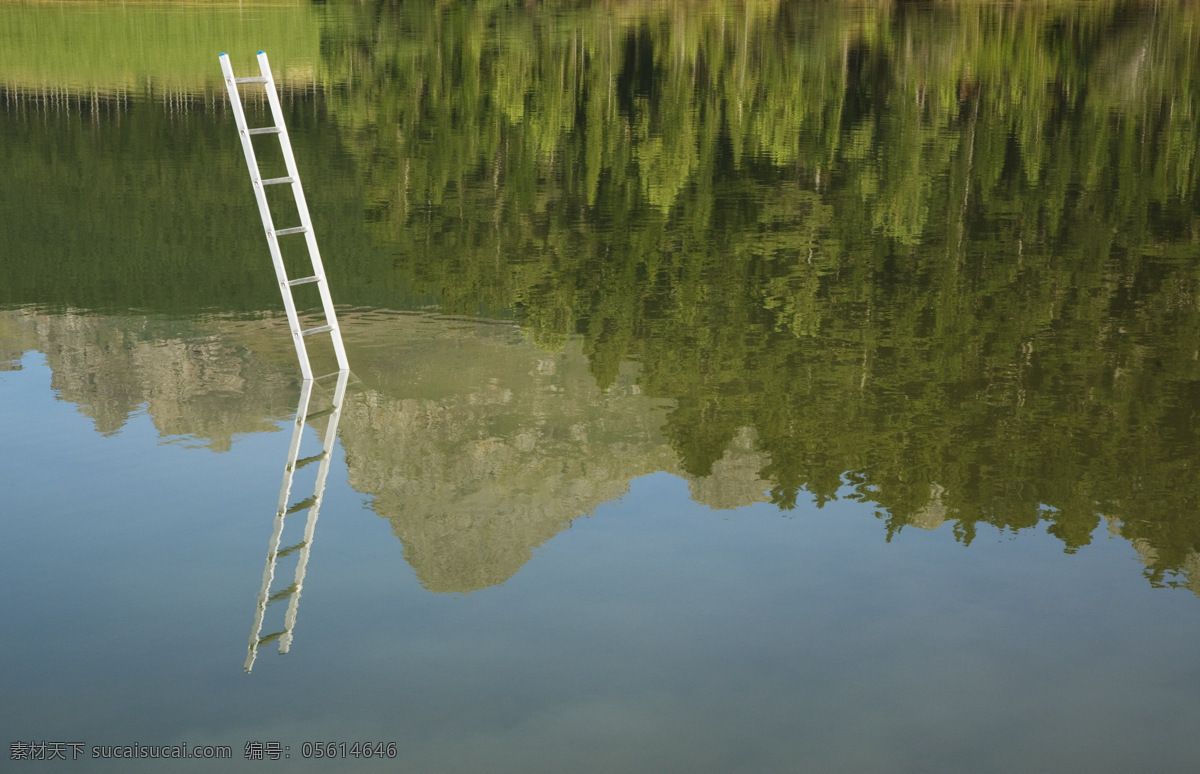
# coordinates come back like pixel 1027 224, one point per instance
pixel 88 47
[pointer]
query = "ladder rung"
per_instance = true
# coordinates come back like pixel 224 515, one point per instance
pixel 282 593
pixel 319 414
pixel 277 180
pixel 305 503
pixel 326 376
pixel 271 637
pixel 288 552
pixel 308 460
pixel 251 79
pixel 293 230
pixel 264 130
pixel 304 280
pixel 318 329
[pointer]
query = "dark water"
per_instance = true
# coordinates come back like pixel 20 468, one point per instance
pixel 745 387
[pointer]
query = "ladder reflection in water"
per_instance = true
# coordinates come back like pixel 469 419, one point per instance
pixel 312 504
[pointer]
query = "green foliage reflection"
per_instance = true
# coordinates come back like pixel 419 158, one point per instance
pixel 948 248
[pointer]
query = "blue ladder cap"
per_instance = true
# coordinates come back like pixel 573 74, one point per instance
pixel 222 54
pixel 262 52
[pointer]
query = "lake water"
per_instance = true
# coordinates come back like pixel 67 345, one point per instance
pixel 755 387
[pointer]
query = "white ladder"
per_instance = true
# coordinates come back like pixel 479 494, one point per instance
pixel 273 234
pixel 284 509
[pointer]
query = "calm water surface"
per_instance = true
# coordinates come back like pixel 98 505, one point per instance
pixel 753 388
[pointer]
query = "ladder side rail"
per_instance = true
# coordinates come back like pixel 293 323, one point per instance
pixel 264 594
pixel 306 389
pixel 310 236
pixel 260 196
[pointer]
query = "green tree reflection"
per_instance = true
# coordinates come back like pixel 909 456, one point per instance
pixel 946 252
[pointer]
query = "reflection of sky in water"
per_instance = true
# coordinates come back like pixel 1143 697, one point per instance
pixel 656 634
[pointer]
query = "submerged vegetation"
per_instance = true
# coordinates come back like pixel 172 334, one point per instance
pixel 944 252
